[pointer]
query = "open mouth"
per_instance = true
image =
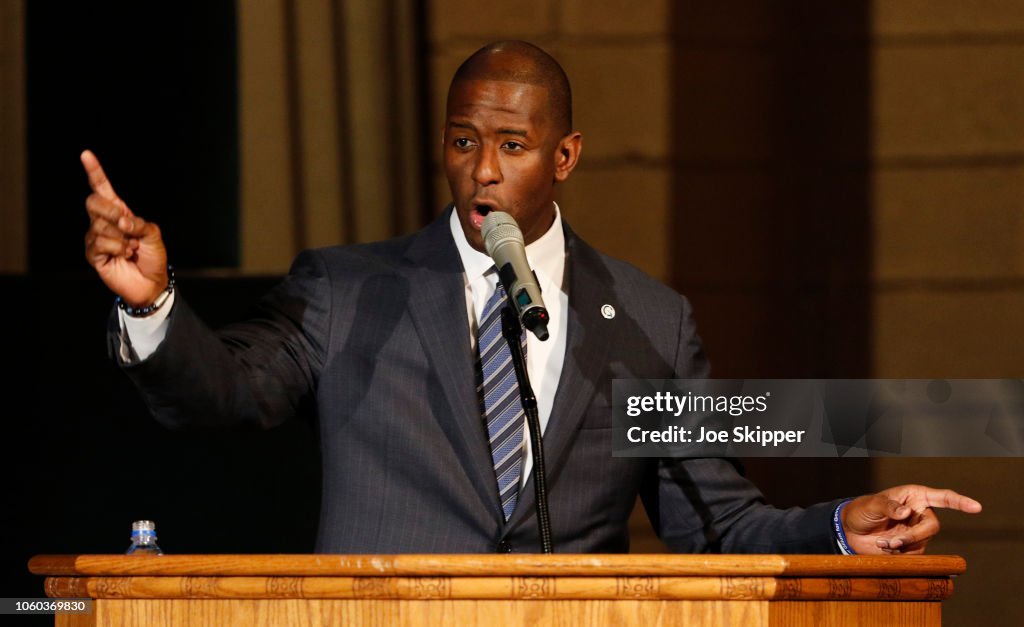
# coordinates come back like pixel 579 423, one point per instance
pixel 478 213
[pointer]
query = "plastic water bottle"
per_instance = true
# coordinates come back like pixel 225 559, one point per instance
pixel 144 539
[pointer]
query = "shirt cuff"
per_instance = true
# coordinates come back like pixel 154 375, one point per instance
pixel 140 337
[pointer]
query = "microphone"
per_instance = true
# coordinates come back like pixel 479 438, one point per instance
pixel 504 243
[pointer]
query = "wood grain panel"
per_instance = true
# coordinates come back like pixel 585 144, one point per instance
pixel 558 613
pixel 496 565
pixel 790 614
pixel 507 589
pixel 502 587
pixel 428 613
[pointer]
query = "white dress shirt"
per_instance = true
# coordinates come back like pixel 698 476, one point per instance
pixel 543 359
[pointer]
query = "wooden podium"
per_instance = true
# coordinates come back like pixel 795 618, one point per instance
pixel 531 589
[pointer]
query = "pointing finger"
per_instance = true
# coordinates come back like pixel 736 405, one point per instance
pixel 97 177
pixel 951 500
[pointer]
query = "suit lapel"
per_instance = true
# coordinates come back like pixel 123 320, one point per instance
pixel 439 314
pixel 586 352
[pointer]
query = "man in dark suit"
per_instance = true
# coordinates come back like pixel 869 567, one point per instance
pixel 423 450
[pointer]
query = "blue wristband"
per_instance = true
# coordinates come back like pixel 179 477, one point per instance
pixel 837 526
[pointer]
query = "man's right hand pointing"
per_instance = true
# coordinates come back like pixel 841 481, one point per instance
pixel 126 251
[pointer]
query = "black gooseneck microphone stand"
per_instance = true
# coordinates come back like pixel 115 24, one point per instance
pixel 512 331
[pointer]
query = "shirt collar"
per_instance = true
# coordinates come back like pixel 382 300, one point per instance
pixel 546 255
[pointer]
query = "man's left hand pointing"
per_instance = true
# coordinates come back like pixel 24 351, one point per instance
pixel 900 519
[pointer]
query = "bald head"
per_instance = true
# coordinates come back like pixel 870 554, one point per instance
pixel 521 62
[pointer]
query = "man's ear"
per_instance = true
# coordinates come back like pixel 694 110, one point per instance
pixel 567 155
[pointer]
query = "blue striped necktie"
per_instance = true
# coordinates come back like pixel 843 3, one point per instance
pixel 503 409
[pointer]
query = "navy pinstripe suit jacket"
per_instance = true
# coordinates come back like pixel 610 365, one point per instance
pixel 374 340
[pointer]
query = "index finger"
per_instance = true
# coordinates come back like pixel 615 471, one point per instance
pixel 98 180
pixel 949 499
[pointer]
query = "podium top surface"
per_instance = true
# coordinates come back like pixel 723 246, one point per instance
pixel 598 565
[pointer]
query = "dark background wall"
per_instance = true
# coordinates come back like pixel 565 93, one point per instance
pixel 772 240
pixel 81 459
pixel 153 93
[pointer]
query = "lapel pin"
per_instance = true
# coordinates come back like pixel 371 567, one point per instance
pixel 608 311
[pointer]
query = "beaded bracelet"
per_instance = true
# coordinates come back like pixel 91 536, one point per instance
pixel 142 312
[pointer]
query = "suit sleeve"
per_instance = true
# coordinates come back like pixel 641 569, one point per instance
pixel 259 372
pixel 706 505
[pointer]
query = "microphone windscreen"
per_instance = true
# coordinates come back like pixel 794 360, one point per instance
pixel 498 228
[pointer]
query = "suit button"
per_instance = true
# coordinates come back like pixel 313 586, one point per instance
pixel 504 547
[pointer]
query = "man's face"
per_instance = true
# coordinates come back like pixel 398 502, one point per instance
pixel 501 154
